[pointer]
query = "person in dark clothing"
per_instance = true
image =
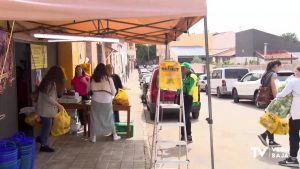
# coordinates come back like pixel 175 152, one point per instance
pixel 118 85
pixel 189 87
pixel 268 79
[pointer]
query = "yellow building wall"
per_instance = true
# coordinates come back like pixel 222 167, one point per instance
pixel 65 61
pixel 69 56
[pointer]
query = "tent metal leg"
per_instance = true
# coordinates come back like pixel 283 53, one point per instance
pixel 167 57
pixel 209 119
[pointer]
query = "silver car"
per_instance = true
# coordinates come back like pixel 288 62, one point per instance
pixel 202 82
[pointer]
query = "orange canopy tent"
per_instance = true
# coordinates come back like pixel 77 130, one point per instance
pixel 139 21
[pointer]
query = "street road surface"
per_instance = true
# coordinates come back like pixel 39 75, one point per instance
pixel 235 131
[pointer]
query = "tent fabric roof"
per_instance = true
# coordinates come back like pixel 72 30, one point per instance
pixel 139 21
pixel 188 50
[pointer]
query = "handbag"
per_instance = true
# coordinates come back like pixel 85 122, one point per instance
pixel 265 94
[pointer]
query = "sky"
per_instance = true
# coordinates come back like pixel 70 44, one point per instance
pixel 272 16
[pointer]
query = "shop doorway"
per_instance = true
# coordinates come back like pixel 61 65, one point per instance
pixel 23 81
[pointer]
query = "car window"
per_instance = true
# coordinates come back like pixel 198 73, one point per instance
pixel 282 76
pixel 147 79
pixel 217 74
pixel 204 77
pixel 235 73
pixel 247 78
pixel 256 76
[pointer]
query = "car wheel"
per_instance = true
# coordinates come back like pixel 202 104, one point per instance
pixel 195 115
pixel 219 95
pixel 235 96
pixel 255 101
pixel 152 115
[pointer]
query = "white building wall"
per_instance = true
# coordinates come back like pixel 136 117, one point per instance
pixel 120 59
pixel 222 41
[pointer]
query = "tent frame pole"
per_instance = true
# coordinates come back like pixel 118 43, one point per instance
pixel 209 119
pixel 166 43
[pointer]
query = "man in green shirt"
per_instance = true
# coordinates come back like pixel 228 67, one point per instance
pixel 190 94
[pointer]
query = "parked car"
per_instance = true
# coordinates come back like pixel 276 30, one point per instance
pixel 222 79
pixel 166 96
pixel 144 76
pixel 202 82
pixel 145 86
pixel 143 73
pixel 247 87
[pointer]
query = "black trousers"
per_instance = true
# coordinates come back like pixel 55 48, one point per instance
pixel 294 127
pixel 269 135
pixel 80 112
pixel 188 103
pixel 116 116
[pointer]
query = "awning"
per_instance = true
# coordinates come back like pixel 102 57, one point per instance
pixel 188 50
pixel 139 21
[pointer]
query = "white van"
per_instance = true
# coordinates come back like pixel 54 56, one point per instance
pixel 222 79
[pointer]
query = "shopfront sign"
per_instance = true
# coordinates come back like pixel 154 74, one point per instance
pixel 38 56
pixel 170 75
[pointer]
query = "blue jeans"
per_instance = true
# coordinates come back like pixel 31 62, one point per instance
pixel 116 116
pixel 45 131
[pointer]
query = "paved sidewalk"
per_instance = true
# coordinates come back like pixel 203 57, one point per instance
pixel 76 152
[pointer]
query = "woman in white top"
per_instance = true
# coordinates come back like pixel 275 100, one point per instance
pixel 103 89
pixel 293 87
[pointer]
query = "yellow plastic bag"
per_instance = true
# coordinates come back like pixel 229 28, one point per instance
pixel 283 127
pixel 33 120
pixel 61 124
pixel 121 98
pixel 270 121
pixel 87 68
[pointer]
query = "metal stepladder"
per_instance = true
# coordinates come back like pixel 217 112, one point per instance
pixel 158 161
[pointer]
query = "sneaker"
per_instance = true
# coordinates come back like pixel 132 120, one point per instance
pixel 116 137
pixel 93 139
pixel 290 162
pixel 109 134
pixel 263 140
pixel 189 139
pixel 46 149
pixel 274 144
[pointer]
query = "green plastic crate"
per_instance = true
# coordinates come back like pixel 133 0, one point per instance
pixel 121 128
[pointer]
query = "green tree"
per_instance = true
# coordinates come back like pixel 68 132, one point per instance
pixel 290 36
pixel 227 62
pixel 196 59
pixel 152 52
pixel 145 53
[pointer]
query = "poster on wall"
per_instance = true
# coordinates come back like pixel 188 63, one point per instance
pixel 38 56
pixel 6 64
